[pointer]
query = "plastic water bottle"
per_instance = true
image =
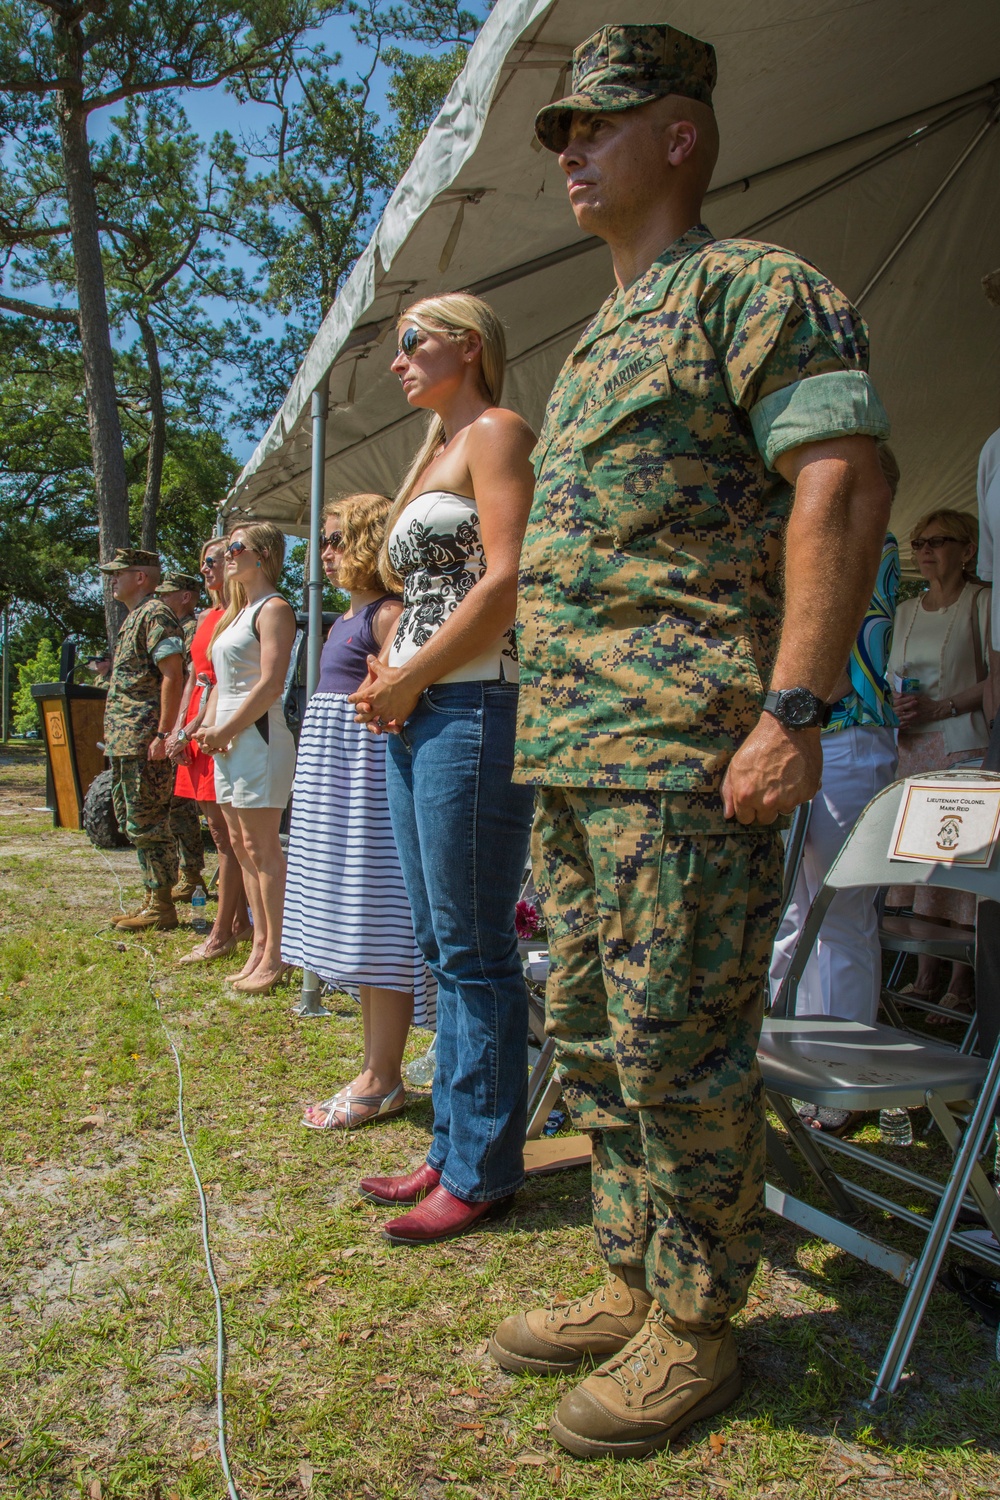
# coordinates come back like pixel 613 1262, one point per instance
pixel 420 1072
pixel 895 1128
pixel 198 903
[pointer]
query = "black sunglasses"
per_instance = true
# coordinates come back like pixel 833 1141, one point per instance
pixel 235 548
pixel 334 540
pixel 410 342
pixel 210 562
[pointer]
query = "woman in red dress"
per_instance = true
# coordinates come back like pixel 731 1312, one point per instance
pixel 196 770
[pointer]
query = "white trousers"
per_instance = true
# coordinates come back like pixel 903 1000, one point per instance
pixel 843 975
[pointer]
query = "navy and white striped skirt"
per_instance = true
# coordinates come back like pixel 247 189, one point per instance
pixel 347 917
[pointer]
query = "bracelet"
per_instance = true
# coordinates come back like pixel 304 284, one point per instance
pixel 954 710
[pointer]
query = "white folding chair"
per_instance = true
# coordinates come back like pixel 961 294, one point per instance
pixel 834 1063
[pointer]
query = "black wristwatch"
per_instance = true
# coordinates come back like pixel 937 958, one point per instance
pixel 797 708
pixel 161 734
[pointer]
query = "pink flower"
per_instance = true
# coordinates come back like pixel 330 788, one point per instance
pixel 526 920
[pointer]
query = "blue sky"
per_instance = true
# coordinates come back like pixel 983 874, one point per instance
pixel 211 111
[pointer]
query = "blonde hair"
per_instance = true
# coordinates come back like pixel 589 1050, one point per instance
pixel 451 316
pixel 362 522
pixel 269 544
pixel 959 525
pixel 218 597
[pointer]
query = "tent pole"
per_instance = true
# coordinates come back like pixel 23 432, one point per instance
pixel 915 223
pixel 310 1003
pixel 5 684
pixel 842 178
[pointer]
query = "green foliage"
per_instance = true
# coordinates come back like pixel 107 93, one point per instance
pixel 299 199
pixel 198 471
pixel 42 667
pixel 305 192
pixel 910 588
pixel 419 86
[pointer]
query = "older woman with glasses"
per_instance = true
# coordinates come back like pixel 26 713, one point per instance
pixel 937 668
pixel 196 770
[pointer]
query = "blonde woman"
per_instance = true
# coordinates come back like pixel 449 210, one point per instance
pixel 245 730
pixel 346 913
pixel 446 685
pixel 938 668
pixel 196 771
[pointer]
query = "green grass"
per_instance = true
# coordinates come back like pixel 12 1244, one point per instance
pixel 355 1370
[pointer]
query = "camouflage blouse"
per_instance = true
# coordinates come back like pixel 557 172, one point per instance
pixel 650 589
pixel 150 633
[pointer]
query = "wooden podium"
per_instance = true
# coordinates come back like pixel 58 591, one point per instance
pixel 73 724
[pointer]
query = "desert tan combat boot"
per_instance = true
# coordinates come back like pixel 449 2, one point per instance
pixel 147 897
pixel 186 886
pixel 644 1397
pixel 158 912
pixel 551 1340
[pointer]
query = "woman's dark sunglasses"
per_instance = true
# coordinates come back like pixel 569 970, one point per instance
pixel 410 342
pixel 335 540
pixel 210 562
pixel 235 548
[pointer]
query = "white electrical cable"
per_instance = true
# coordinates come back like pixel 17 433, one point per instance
pixel 220 1336
pixel 220 1332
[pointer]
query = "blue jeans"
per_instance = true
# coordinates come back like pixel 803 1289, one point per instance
pixel 462 831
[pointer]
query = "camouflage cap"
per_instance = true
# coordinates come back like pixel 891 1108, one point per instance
pixel 620 67
pixel 173 582
pixel 130 557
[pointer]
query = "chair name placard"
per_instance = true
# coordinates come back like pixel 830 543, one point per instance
pixel 947 823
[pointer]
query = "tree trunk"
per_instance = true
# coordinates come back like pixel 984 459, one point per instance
pixel 157 434
pixel 110 482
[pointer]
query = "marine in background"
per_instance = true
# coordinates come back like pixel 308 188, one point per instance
pixel 144 695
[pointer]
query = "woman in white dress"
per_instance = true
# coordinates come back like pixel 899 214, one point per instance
pixel 245 730
pixel 347 917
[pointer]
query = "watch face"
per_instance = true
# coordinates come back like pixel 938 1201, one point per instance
pixel 798 708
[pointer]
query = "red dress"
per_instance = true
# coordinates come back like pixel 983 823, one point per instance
pixel 196 776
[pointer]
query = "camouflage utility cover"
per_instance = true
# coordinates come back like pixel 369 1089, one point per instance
pixel 650 589
pixel 622 67
pixel 132 711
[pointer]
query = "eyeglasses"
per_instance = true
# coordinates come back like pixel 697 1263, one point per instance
pixel 919 543
pixel 410 342
pixel 210 562
pixel 334 540
pixel 235 548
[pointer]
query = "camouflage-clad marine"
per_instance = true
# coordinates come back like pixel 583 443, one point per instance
pixel 141 787
pixel 648 618
pixel 185 818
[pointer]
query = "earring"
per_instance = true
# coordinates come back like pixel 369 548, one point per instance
pixel 258 565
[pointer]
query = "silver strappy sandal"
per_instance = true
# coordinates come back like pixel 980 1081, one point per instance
pixel 382 1107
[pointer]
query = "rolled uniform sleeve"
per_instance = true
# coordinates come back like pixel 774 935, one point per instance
pixel 170 645
pixel 796 357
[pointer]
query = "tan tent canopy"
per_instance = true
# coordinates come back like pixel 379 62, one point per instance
pixel 863 136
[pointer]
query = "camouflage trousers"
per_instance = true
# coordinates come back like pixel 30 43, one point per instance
pixel 659 940
pixel 185 829
pixel 142 790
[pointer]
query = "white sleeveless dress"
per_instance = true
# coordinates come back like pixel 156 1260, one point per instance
pixel 260 765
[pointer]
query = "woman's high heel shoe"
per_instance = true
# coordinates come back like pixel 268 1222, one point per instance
pixel 243 973
pixel 200 955
pixel 263 981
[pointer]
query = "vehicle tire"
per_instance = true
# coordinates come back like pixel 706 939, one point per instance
pixel 99 821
